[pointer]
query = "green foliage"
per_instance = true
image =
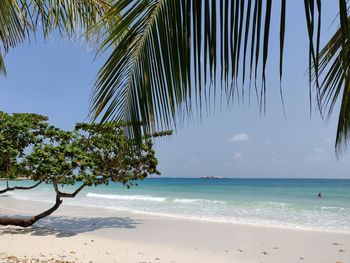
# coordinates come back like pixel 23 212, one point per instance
pixel 333 81
pixel 20 18
pixel 173 57
pixel 18 132
pixel 92 154
pixel 169 58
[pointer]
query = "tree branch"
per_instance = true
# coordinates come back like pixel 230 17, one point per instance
pixel 67 195
pixel 72 195
pixel 25 222
pixel 18 188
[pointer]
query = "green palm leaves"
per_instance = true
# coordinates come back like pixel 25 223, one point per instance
pixel 170 59
pixel 12 28
pixel 332 77
pixel 170 56
pixel 19 18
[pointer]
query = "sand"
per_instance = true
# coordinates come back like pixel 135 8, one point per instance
pixel 76 234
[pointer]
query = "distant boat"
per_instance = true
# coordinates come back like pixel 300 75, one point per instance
pixel 211 177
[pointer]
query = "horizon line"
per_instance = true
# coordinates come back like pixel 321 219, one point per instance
pixel 264 178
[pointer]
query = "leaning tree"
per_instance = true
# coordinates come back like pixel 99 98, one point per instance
pixel 90 155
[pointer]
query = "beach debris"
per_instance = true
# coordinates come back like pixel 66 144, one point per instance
pixel 157 258
pixel 301 258
pixel 240 250
pixel 15 259
pixel 341 250
pixel 336 244
pixel 275 248
pixel 264 252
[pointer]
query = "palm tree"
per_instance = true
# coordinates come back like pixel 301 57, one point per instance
pixel 20 19
pixel 169 57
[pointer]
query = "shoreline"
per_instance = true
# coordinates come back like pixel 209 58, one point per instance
pixel 292 206
pixel 127 237
pixel 186 218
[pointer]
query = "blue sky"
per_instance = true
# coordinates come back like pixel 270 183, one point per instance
pixel 55 79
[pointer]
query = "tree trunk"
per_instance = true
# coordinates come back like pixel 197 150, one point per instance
pixel 25 222
pixel 29 221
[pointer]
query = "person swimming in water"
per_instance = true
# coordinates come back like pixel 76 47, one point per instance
pixel 319 195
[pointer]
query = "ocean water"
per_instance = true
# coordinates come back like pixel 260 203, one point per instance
pixel 287 203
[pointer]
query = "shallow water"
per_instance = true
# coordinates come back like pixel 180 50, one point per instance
pixel 291 203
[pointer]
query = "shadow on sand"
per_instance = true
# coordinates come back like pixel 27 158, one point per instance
pixel 68 226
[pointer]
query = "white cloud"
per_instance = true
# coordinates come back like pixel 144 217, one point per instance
pixel 239 137
pixel 237 157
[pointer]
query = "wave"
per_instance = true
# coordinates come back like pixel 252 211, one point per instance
pixel 333 208
pixel 261 213
pixel 275 204
pixel 187 201
pixel 245 221
pixel 127 197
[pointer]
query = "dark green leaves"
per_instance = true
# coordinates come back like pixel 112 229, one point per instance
pixel 20 18
pixel 169 56
pixel 12 28
pixel 282 34
pixel 18 132
pixel 92 154
pixel 333 77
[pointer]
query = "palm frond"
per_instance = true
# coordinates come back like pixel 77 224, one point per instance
pixel 2 66
pixel 20 19
pixel 67 16
pixel 334 74
pixel 171 54
pixel 12 28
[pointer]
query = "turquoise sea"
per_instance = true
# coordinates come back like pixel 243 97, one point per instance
pixel 290 203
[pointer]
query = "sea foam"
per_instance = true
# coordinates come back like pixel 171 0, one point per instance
pixel 127 197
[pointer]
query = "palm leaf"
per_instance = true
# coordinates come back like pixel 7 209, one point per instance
pixel 2 66
pixel 67 16
pixel 12 28
pixel 20 19
pixel 169 56
pixel 334 74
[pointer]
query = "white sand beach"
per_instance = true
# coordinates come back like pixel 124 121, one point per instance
pixel 75 234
